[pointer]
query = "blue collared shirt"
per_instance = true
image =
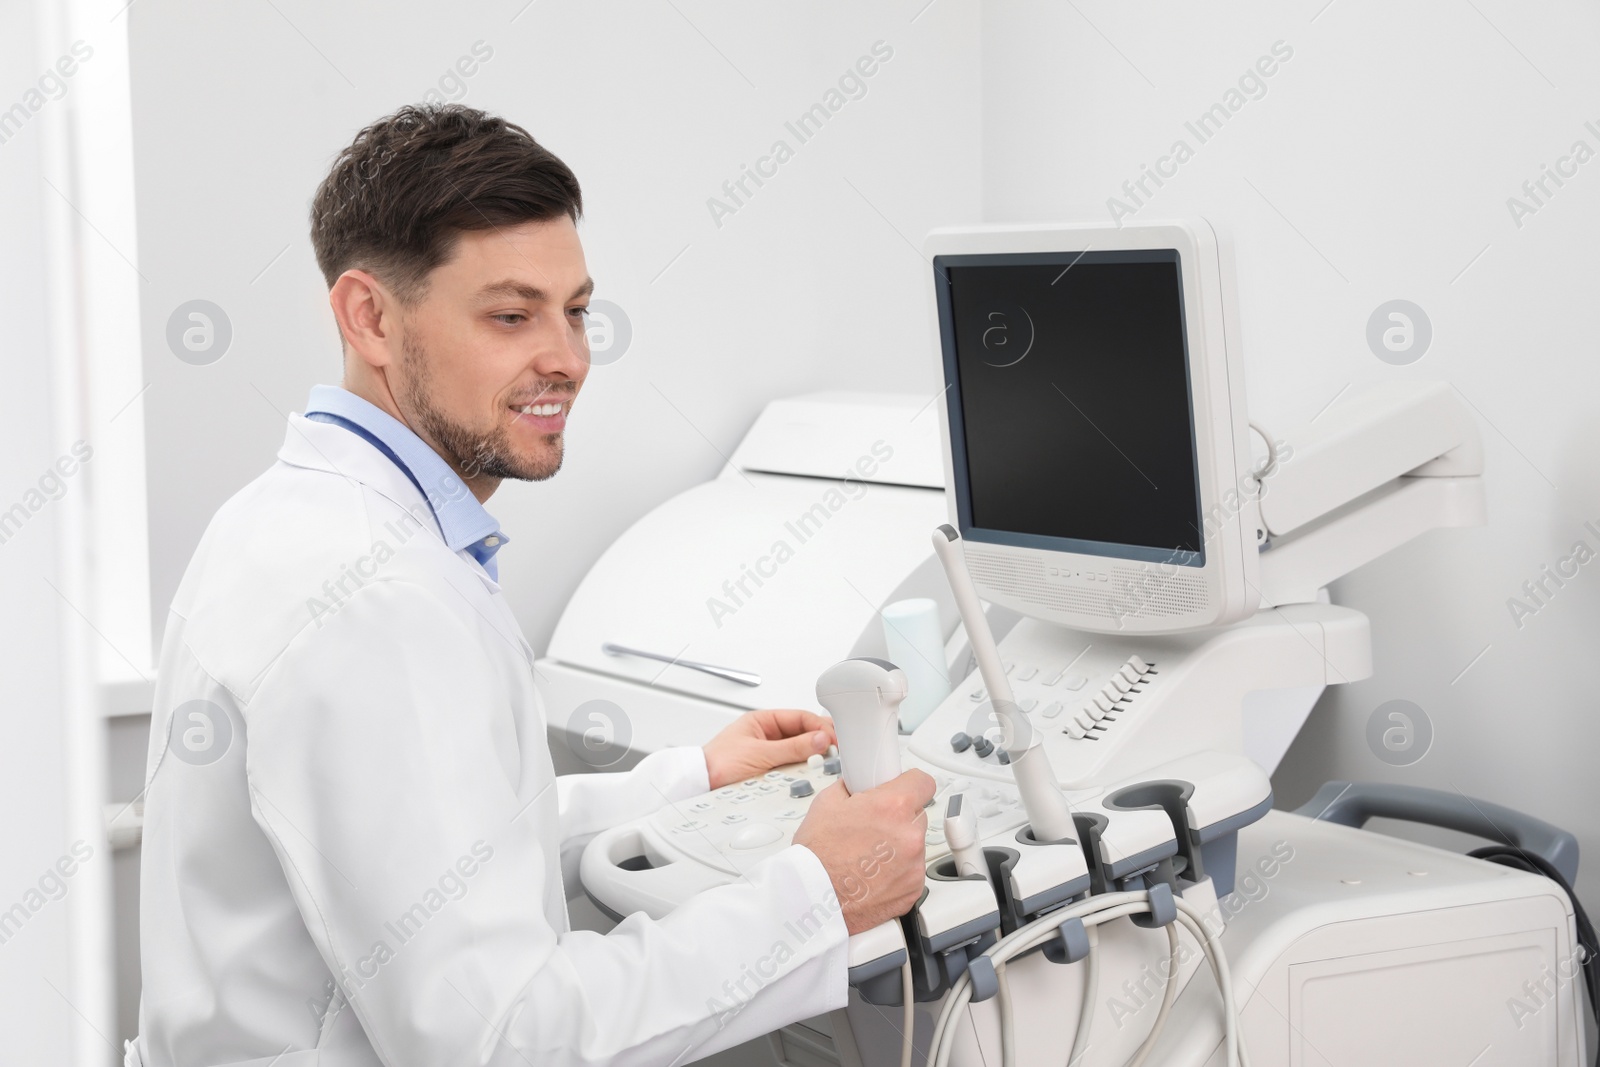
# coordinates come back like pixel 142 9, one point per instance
pixel 463 521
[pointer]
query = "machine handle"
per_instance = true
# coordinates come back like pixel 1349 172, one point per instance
pixel 618 872
pixel 742 677
pixel 1353 803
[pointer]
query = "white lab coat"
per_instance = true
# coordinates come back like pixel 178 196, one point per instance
pixel 352 856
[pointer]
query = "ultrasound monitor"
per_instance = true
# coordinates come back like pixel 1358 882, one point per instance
pixel 1096 457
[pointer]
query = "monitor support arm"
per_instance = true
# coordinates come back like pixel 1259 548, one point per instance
pixel 1368 473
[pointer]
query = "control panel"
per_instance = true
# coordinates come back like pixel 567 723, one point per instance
pixel 735 826
pixel 1107 707
pixel 1085 696
pixel 1061 700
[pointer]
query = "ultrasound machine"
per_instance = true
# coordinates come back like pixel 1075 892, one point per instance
pixel 1096 621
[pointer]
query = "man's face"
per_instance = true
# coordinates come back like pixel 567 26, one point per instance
pixel 494 353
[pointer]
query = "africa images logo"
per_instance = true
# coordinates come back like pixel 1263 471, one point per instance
pixel 201 732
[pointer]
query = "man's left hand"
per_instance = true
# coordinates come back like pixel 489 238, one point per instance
pixel 760 740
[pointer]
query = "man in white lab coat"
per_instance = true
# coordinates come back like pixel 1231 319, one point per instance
pixel 354 839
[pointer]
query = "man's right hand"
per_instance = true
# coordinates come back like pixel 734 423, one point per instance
pixel 872 845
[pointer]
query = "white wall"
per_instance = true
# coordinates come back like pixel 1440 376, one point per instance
pixel 239 110
pixel 1377 166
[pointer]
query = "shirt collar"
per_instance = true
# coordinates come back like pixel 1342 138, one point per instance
pixel 463 522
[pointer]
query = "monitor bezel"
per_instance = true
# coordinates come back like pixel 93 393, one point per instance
pixel 956 414
pixel 1082 590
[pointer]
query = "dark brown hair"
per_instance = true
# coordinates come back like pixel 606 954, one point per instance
pixel 398 197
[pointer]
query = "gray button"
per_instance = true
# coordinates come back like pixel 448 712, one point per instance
pixel 831 765
pixel 982 746
pixel 960 742
pixel 801 788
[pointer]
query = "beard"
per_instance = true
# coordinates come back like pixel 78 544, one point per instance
pixel 475 452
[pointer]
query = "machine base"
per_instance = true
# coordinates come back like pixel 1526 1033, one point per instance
pixel 1348 949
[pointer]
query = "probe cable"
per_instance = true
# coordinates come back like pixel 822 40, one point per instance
pixel 1270 465
pixel 1093 912
pixel 908 1018
pixel 1091 991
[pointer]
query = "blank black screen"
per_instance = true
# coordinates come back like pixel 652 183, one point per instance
pixel 1071 410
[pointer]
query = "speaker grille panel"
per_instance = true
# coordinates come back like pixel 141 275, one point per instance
pixel 1131 592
